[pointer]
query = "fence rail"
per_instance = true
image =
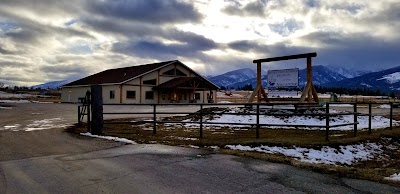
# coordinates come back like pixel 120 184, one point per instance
pixel 153 113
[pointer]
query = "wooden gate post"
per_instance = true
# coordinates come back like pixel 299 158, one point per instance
pixel 97 110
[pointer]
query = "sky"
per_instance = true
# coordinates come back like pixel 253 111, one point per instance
pixel 47 40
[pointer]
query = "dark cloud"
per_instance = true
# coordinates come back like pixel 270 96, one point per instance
pixel 312 3
pixel 348 7
pixel 286 27
pixel 153 11
pixel 13 64
pixel 5 51
pixel 65 68
pixel 256 8
pixel 159 50
pixel 24 36
pixel 45 7
pixel 189 44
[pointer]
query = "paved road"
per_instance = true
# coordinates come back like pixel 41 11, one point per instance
pixel 52 161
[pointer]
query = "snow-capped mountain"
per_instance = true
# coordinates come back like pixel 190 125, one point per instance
pixel 321 75
pixel 347 72
pixel 51 85
pixel 235 76
pixel 386 80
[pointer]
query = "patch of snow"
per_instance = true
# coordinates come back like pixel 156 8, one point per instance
pixel 348 155
pixel 224 102
pixel 15 101
pixel 383 106
pixel 340 105
pixel 117 139
pixel 394 177
pixel 45 124
pixel 182 138
pixel 3 107
pixel 391 78
pixel 366 85
pixel 193 146
pixel 11 126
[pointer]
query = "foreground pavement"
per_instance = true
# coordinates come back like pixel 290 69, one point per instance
pixel 165 169
pixel 53 161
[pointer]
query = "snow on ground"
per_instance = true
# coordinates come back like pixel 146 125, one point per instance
pixel 15 101
pixel 45 124
pixel 347 155
pixel 11 126
pixel 124 140
pixel 10 95
pixel 377 121
pixel 38 125
pixel 383 106
pixel 224 102
pixel 394 177
pixel 23 101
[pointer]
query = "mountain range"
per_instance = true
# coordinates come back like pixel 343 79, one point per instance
pixel 326 76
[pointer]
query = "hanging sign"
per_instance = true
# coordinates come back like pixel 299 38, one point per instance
pixel 283 78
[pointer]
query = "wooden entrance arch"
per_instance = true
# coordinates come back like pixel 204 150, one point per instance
pixel 309 91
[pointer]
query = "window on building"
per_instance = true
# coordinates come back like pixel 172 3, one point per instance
pixel 131 94
pixel 112 94
pixel 149 95
pixel 150 82
pixel 197 96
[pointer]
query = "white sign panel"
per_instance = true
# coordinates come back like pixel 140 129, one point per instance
pixel 283 78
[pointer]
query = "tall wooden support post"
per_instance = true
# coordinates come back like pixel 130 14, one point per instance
pixel 309 91
pixel 97 109
pixel 259 91
pixel 88 115
pixel 259 83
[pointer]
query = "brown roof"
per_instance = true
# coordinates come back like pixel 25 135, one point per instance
pixel 120 75
pixel 183 82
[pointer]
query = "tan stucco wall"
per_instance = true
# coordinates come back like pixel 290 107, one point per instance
pixel 72 94
pixel 106 94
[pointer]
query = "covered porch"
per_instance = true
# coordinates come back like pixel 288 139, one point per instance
pixel 186 90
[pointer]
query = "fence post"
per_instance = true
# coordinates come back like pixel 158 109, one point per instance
pixel 88 110
pixel 201 120
pixel 79 115
pixel 369 118
pixel 97 109
pixel 154 119
pixel 327 121
pixel 355 119
pixel 391 115
pixel 258 121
